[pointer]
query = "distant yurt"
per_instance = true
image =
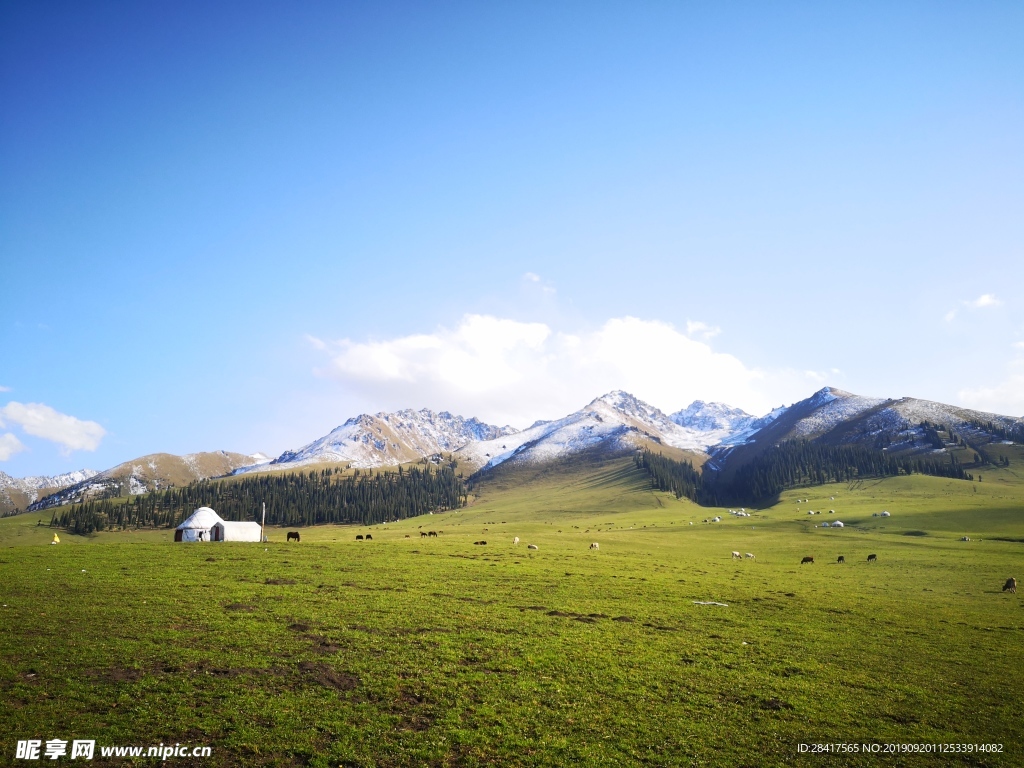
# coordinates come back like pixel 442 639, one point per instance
pixel 229 530
pixel 837 524
pixel 199 526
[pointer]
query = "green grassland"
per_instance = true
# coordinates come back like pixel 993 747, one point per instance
pixel 408 651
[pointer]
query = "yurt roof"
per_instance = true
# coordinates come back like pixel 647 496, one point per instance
pixel 204 517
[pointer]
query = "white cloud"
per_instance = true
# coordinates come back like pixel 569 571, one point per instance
pixel 43 421
pixel 950 316
pixel 1018 345
pixel 5 389
pixel 533 277
pixel 705 331
pixel 985 300
pixel 506 371
pixel 9 445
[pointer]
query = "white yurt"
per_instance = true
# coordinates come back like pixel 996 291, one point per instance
pixel 199 526
pixel 230 530
pixel 837 524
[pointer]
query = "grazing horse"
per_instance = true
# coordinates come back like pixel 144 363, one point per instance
pixel 872 557
pixel 359 537
pixel 1010 585
pixel 841 559
pixel 293 536
pixel 423 534
pixel 807 559
pixel 369 537
pixel 433 533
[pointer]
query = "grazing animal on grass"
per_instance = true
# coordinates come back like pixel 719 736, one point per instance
pixel 369 537
pixel 293 536
pixel 407 535
pixel 749 556
pixel 595 545
pixel 515 540
pixel 480 543
pixel 841 559
pixel 735 555
pixel 532 546
pixel 359 537
pixel 807 559
pixel 1010 585
pixel 423 534
pixel 965 538
pixel 872 558
pixel 432 533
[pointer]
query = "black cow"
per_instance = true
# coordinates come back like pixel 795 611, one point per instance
pixel 359 537
pixel 807 559
pixel 872 557
pixel 293 536
pixel 1010 585
pixel 841 559
pixel 369 537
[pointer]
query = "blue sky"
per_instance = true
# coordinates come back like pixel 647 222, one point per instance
pixel 232 226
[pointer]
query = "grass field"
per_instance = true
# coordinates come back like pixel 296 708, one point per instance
pixel 409 651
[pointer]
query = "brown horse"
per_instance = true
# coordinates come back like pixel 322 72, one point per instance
pixel 807 559
pixel 293 536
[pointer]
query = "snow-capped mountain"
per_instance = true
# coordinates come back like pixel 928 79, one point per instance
pixel 19 492
pixel 616 421
pixel 387 439
pixel 157 471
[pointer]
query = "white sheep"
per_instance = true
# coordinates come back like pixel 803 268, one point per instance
pixel 750 556
pixel 735 555
pixel 515 540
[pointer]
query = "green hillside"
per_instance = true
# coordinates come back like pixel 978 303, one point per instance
pixel 408 651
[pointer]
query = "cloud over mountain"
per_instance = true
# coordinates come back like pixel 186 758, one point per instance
pixel 509 371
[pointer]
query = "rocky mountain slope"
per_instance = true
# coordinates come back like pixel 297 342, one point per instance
pixel 19 492
pixel 154 472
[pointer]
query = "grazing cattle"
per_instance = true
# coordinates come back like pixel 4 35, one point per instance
pixel 807 559
pixel 407 535
pixel 359 537
pixel 872 557
pixel 515 540
pixel 1010 585
pixel 532 546
pixel 965 538
pixel 841 559
pixel 293 536
pixel 595 546
pixel 749 556
pixel 735 555
pixel 369 537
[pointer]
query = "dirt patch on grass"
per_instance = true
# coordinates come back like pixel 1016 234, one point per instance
pixel 322 644
pixel 116 674
pixel 775 705
pixel 327 676
pixel 281 582
pixel 626 619
pixel 534 608
pixel 298 627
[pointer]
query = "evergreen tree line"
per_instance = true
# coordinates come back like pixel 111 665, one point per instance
pixel 791 464
pixel 293 500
